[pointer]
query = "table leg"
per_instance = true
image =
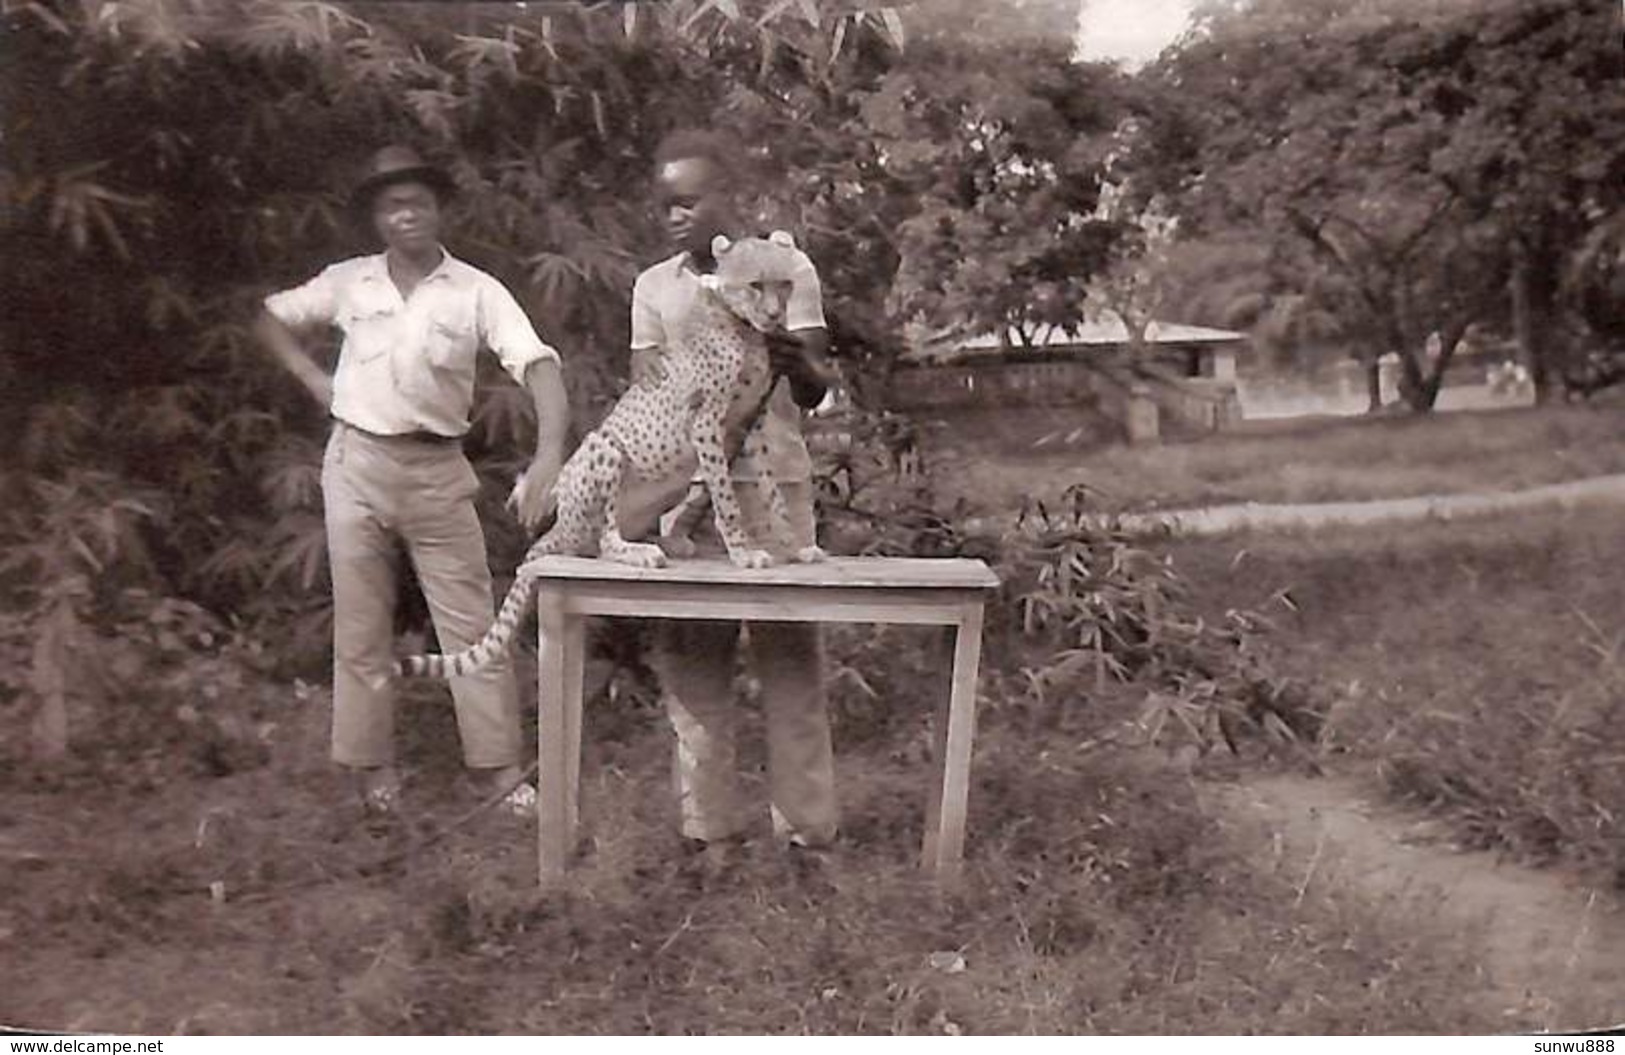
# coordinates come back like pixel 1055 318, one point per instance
pixel 956 727
pixel 553 740
pixel 574 670
pixel 942 657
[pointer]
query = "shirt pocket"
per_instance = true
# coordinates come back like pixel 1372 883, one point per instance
pixel 452 338
pixel 368 318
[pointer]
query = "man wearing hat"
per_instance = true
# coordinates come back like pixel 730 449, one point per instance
pixel 413 319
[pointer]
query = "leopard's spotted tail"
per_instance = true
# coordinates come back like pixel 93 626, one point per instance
pixel 485 651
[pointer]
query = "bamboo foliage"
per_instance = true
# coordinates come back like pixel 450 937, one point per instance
pixel 168 162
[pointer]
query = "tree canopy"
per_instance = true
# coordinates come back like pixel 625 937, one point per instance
pixel 1365 173
pixel 1427 166
pixel 170 161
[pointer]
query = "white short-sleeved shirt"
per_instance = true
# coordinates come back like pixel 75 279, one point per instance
pixel 665 293
pixel 407 365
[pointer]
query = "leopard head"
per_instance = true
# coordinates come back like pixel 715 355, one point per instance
pixel 754 277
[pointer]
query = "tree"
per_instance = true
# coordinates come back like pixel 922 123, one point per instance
pixel 1134 286
pixel 1593 289
pixel 1370 138
pixel 1536 145
pixel 1003 157
pixel 1594 285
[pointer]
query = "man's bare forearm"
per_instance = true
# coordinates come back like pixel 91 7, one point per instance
pixel 813 374
pixel 804 359
pixel 546 383
pixel 291 354
pixel 533 494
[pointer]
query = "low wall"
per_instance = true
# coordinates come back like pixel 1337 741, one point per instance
pixel 1140 404
pixel 1340 390
pixel 996 385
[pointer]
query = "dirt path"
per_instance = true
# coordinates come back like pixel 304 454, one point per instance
pixel 1215 520
pixel 1553 946
pixel 1220 519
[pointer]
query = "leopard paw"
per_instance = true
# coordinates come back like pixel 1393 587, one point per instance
pixel 638 555
pixel 751 558
pixel 810 555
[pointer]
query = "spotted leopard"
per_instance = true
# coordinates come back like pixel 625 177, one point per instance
pixel 649 431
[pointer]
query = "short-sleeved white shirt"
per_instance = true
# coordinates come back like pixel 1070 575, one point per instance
pixel 407 365
pixel 665 293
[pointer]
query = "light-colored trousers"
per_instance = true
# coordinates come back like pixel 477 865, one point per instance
pixel 695 661
pixel 379 491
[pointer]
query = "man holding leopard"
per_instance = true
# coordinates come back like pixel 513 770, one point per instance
pixel 672 318
pixel 697 197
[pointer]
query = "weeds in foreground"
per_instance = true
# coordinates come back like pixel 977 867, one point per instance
pixel 1087 617
pixel 1099 896
pixel 1476 665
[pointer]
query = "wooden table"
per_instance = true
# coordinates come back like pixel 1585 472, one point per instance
pixel 948 593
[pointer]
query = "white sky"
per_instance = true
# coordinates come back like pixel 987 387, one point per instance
pixel 1133 31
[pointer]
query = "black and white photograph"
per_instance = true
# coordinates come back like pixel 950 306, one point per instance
pixel 1027 518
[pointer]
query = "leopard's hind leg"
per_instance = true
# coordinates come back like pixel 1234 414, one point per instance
pixel 612 546
pixel 678 540
pixel 600 466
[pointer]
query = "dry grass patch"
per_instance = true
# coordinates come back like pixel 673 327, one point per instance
pixel 1099 897
pixel 1480 666
pixel 1302 461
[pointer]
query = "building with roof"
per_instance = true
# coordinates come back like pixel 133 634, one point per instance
pixel 1180 379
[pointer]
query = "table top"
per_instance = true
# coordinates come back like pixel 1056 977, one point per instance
pixel 866 572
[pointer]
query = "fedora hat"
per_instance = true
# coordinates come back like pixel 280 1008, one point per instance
pixel 399 164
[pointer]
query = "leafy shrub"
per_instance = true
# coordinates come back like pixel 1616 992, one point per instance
pixel 1084 611
pixel 95 655
pixel 1109 608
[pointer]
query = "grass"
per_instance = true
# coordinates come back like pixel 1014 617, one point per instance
pixel 1295 461
pixel 1099 897
pixel 1477 667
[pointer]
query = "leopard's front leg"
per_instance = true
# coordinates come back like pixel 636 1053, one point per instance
pixel 706 434
pixel 755 448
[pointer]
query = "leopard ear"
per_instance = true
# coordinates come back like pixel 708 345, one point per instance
pixel 720 244
pixel 782 238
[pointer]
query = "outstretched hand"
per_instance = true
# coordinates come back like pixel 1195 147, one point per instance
pixel 532 497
